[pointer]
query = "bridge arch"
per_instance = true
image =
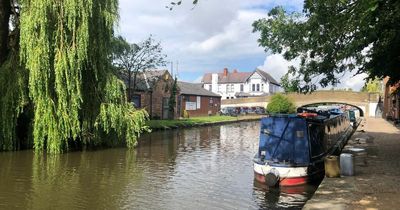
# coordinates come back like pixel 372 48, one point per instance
pixel 365 102
pixel 331 103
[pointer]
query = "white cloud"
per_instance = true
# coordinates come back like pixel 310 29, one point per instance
pixel 213 35
pixel 354 82
pixel 277 66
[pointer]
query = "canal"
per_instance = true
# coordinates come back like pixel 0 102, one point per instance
pixel 199 168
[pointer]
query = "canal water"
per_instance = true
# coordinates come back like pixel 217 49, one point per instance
pixel 199 168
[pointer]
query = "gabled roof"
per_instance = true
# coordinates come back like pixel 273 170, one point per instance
pixel 267 76
pixel 146 81
pixel 238 77
pixel 187 88
pixel 232 77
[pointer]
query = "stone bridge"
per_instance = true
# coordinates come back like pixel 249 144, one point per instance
pixel 365 102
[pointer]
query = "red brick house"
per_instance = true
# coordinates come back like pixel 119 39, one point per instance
pixel 391 101
pixel 152 92
pixel 196 100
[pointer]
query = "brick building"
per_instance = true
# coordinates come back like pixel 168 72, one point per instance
pixel 152 92
pixel 391 103
pixel 197 101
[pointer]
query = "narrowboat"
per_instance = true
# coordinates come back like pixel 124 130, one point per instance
pixel 292 147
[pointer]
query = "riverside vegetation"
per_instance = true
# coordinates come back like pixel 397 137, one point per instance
pixel 58 89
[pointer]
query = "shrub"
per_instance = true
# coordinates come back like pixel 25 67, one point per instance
pixel 185 114
pixel 281 104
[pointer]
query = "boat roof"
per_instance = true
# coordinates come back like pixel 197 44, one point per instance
pixel 318 117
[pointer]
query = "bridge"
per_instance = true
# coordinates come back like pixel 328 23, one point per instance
pixel 365 102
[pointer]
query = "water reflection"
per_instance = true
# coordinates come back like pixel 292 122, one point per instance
pixel 283 198
pixel 199 168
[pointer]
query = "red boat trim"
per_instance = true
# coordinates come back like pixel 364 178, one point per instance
pixel 293 181
pixel 259 177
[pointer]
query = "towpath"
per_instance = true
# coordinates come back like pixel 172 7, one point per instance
pixel 376 185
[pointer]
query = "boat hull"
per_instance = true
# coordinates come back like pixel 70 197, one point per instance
pixel 287 176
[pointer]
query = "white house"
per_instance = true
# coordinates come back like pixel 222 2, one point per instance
pixel 241 84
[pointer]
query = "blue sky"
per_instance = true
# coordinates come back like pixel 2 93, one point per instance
pixel 213 35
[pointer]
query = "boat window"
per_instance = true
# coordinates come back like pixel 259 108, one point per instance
pixel 316 140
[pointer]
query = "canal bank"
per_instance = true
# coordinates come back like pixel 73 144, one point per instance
pixel 376 184
pixel 200 121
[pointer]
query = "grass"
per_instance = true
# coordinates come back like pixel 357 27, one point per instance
pixel 167 124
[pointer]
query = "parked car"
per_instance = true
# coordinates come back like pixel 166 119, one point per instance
pixel 251 110
pixel 229 111
pixel 243 110
pixel 260 110
pixel 224 111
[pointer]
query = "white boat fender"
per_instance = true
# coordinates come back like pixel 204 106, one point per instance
pixel 272 178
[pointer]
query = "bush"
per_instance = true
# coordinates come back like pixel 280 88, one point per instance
pixel 281 104
pixel 185 114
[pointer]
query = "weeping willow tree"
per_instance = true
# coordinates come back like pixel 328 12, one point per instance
pixel 77 99
pixel 13 78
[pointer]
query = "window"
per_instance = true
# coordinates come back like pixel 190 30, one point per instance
pixel 253 87
pixel 229 88
pixel 262 87
pixel 316 139
pixel 210 101
pixel 258 87
pixel 210 87
pixel 136 101
pixel 198 100
pixel 241 87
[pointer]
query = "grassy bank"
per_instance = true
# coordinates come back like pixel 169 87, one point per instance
pixel 196 121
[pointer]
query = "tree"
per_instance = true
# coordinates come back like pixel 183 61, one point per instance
pixel 373 86
pixel 334 37
pixel 59 52
pixel 172 99
pixel 177 3
pixel 13 80
pixel 288 85
pixel 134 58
pixel 5 12
pixel 281 104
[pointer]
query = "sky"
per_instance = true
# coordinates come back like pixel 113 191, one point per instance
pixel 211 36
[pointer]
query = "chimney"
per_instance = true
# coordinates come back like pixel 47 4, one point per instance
pixel 235 71
pixel 225 72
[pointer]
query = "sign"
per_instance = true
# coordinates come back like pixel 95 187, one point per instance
pixel 190 105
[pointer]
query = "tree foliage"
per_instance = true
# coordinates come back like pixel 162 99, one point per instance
pixel 334 37
pixel 289 86
pixel 172 98
pixel 373 86
pixel 131 59
pixel 13 77
pixel 177 3
pixel 64 49
pixel 281 104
